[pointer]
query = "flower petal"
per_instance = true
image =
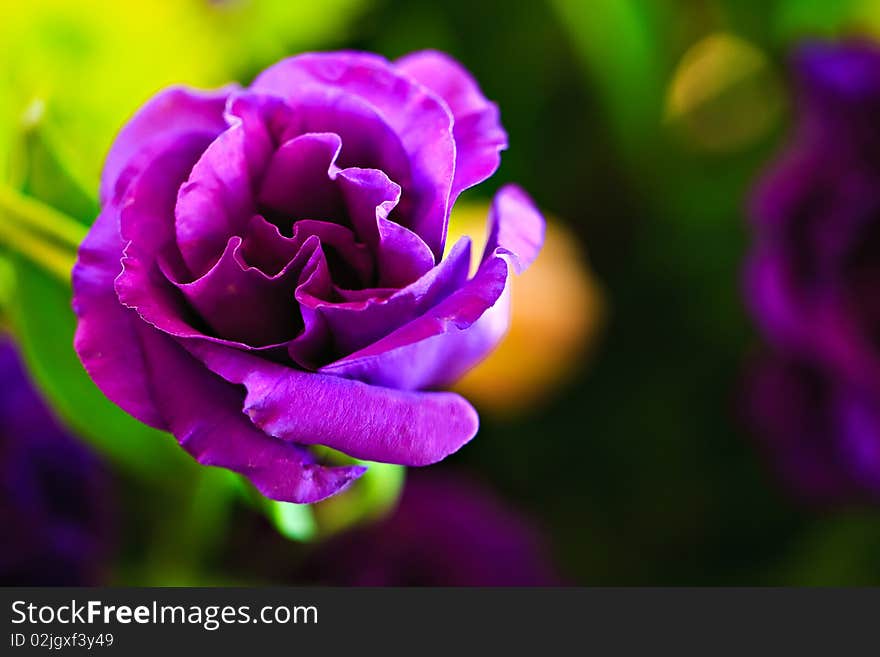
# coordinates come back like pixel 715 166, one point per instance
pixel 479 136
pixel 440 346
pixel 298 181
pixel 437 348
pixel 516 227
pixel 203 413
pixel 217 199
pixel 147 225
pixel 106 340
pixel 422 122
pixel 366 422
pixel 370 196
pixel 357 324
pixel 242 303
pixel 172 113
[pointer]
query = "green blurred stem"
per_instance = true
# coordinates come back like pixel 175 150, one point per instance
pixel 39 232
pixel 55 260
pixel 38 217
pixel 188 529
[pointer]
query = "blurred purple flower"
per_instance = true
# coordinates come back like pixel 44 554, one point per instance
pixel 267 270
pixel 812 282
pixel 446 531
pixel 53 493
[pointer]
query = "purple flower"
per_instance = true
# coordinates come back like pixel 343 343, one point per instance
pixel 821 436
pixel 447 531
pixel 267 270
pixel 813 279
pixel 53 493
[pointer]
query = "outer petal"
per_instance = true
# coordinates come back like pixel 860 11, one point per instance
pixel 173 112
pixel 204 414
pixel 479 137
pixel 516 227
pixel 367 422
pixel 437 348
pixel 421 120
pixel 106 340
pixel 441 345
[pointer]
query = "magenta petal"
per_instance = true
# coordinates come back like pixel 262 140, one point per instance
pixel 217 200
pixel 441 345
pixel 516 226
pixel 437 348
pixel 367 139
pixel 479 137
pixel 106 340
pixel 310 347
pixel 147 225
pixel 298 181
pixel 170 114
pixel 366 422
pixel 265 248
pixel 204 414
pixel 421 121
pixel 370 196
pixel 242 303
pixel 358 323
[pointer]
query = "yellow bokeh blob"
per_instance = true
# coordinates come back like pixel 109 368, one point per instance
pixel 557 313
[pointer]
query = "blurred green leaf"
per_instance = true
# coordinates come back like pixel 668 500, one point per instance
pixel 94 62
pixel 44 323
pixel 796 19
pixel 293 521
pixel 367 499
pixel 837 550
pixel 189 524
pixel 619 44
pixel 7 281
pixel 43 170
pixel 370 498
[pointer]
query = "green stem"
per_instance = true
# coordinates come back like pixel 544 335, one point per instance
pixel 38 217
pixel 188 529
pixel 55 260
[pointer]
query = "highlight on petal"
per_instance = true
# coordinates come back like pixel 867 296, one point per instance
pixel 516 227
pixel 172 113
pixel 479 136
pixel 363 421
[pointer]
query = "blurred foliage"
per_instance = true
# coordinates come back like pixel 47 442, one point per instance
pixel 94 62
pixel 557 298
pixel 642 471
pixel 639 123
pixel 70 75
